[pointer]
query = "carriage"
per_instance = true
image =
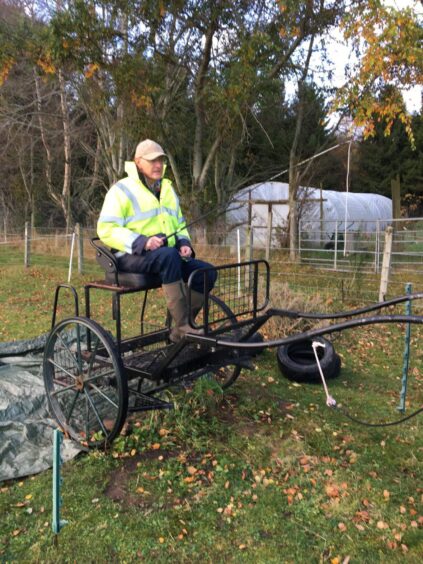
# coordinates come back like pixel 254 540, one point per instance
pixel 95 377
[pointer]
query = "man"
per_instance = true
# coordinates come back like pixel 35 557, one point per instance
pixel 139 215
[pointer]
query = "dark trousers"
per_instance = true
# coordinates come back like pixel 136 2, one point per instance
pixel 170 266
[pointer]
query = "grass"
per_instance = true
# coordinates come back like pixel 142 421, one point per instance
pixel 27 295
pixel 264 472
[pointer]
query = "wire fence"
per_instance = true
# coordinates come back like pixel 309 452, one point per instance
pixel 362 244
pixel 338 269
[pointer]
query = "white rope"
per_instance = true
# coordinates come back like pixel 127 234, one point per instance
pixel 330 401
pixel 309 159
pixel 347 197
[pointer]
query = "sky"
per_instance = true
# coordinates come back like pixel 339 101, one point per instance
pixel 339 53
pixel 413 98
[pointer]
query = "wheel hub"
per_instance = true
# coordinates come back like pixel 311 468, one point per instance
pixel 79 384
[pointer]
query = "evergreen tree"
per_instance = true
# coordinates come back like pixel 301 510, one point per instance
pixel 380 159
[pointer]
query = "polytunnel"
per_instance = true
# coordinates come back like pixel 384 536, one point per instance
pixel 320 212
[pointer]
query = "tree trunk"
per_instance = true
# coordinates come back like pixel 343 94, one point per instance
pixel 294 175
pixel 28 182
pixel 293 207
pixel 200 83
pixel 49 159
pixel 65 198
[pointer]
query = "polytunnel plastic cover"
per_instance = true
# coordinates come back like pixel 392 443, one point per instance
pixel 325 210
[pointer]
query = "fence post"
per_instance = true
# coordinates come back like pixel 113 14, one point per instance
pixel 269 231
pixel 251 244
pixel 71 256
pixel 27 253
pixel 80 238
pixel 335 256
pixel 377 246
pixel 56 523
pixel 249 252
pixel 406 355
pixel 239 260
pixel 299 240
pixel 386 264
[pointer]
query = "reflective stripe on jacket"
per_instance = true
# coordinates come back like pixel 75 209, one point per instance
pixel 130 209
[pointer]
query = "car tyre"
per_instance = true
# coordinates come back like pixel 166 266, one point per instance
pixel 297 361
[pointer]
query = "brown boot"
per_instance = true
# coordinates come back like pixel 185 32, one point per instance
pixel 177 305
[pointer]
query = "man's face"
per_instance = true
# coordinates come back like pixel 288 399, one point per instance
pixel 152 170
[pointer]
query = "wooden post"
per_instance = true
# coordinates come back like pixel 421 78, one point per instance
pixel 269 231
pixel 335 255
pixel 250 243
pixel 300 227
pixel 248 250
pixel 27 252
pixel 239 260
pixel 348 242
pixel 249 254
pixel 247 242
pixel 386 264
pixel 377 242
pixel 250 216
pixel 80 239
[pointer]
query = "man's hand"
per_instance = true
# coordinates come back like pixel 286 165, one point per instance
pixel 154 243
pixel 185 251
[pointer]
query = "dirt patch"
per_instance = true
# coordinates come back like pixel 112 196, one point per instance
pixel 247 429
pixel 278 402
pixel 247 426
pixel 226 412
pixel 117 488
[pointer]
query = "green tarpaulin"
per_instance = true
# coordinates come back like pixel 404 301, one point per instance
pixel 26 428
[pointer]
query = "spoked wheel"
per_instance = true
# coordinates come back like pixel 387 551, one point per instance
pixel 224 318
pixel 225 376
pixel 85 382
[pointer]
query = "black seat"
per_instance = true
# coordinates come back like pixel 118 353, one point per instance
pixel 109 263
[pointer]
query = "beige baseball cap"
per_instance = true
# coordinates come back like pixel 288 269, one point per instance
pixel 148 150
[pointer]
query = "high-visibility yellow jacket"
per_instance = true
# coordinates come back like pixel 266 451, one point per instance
pixel 130 209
